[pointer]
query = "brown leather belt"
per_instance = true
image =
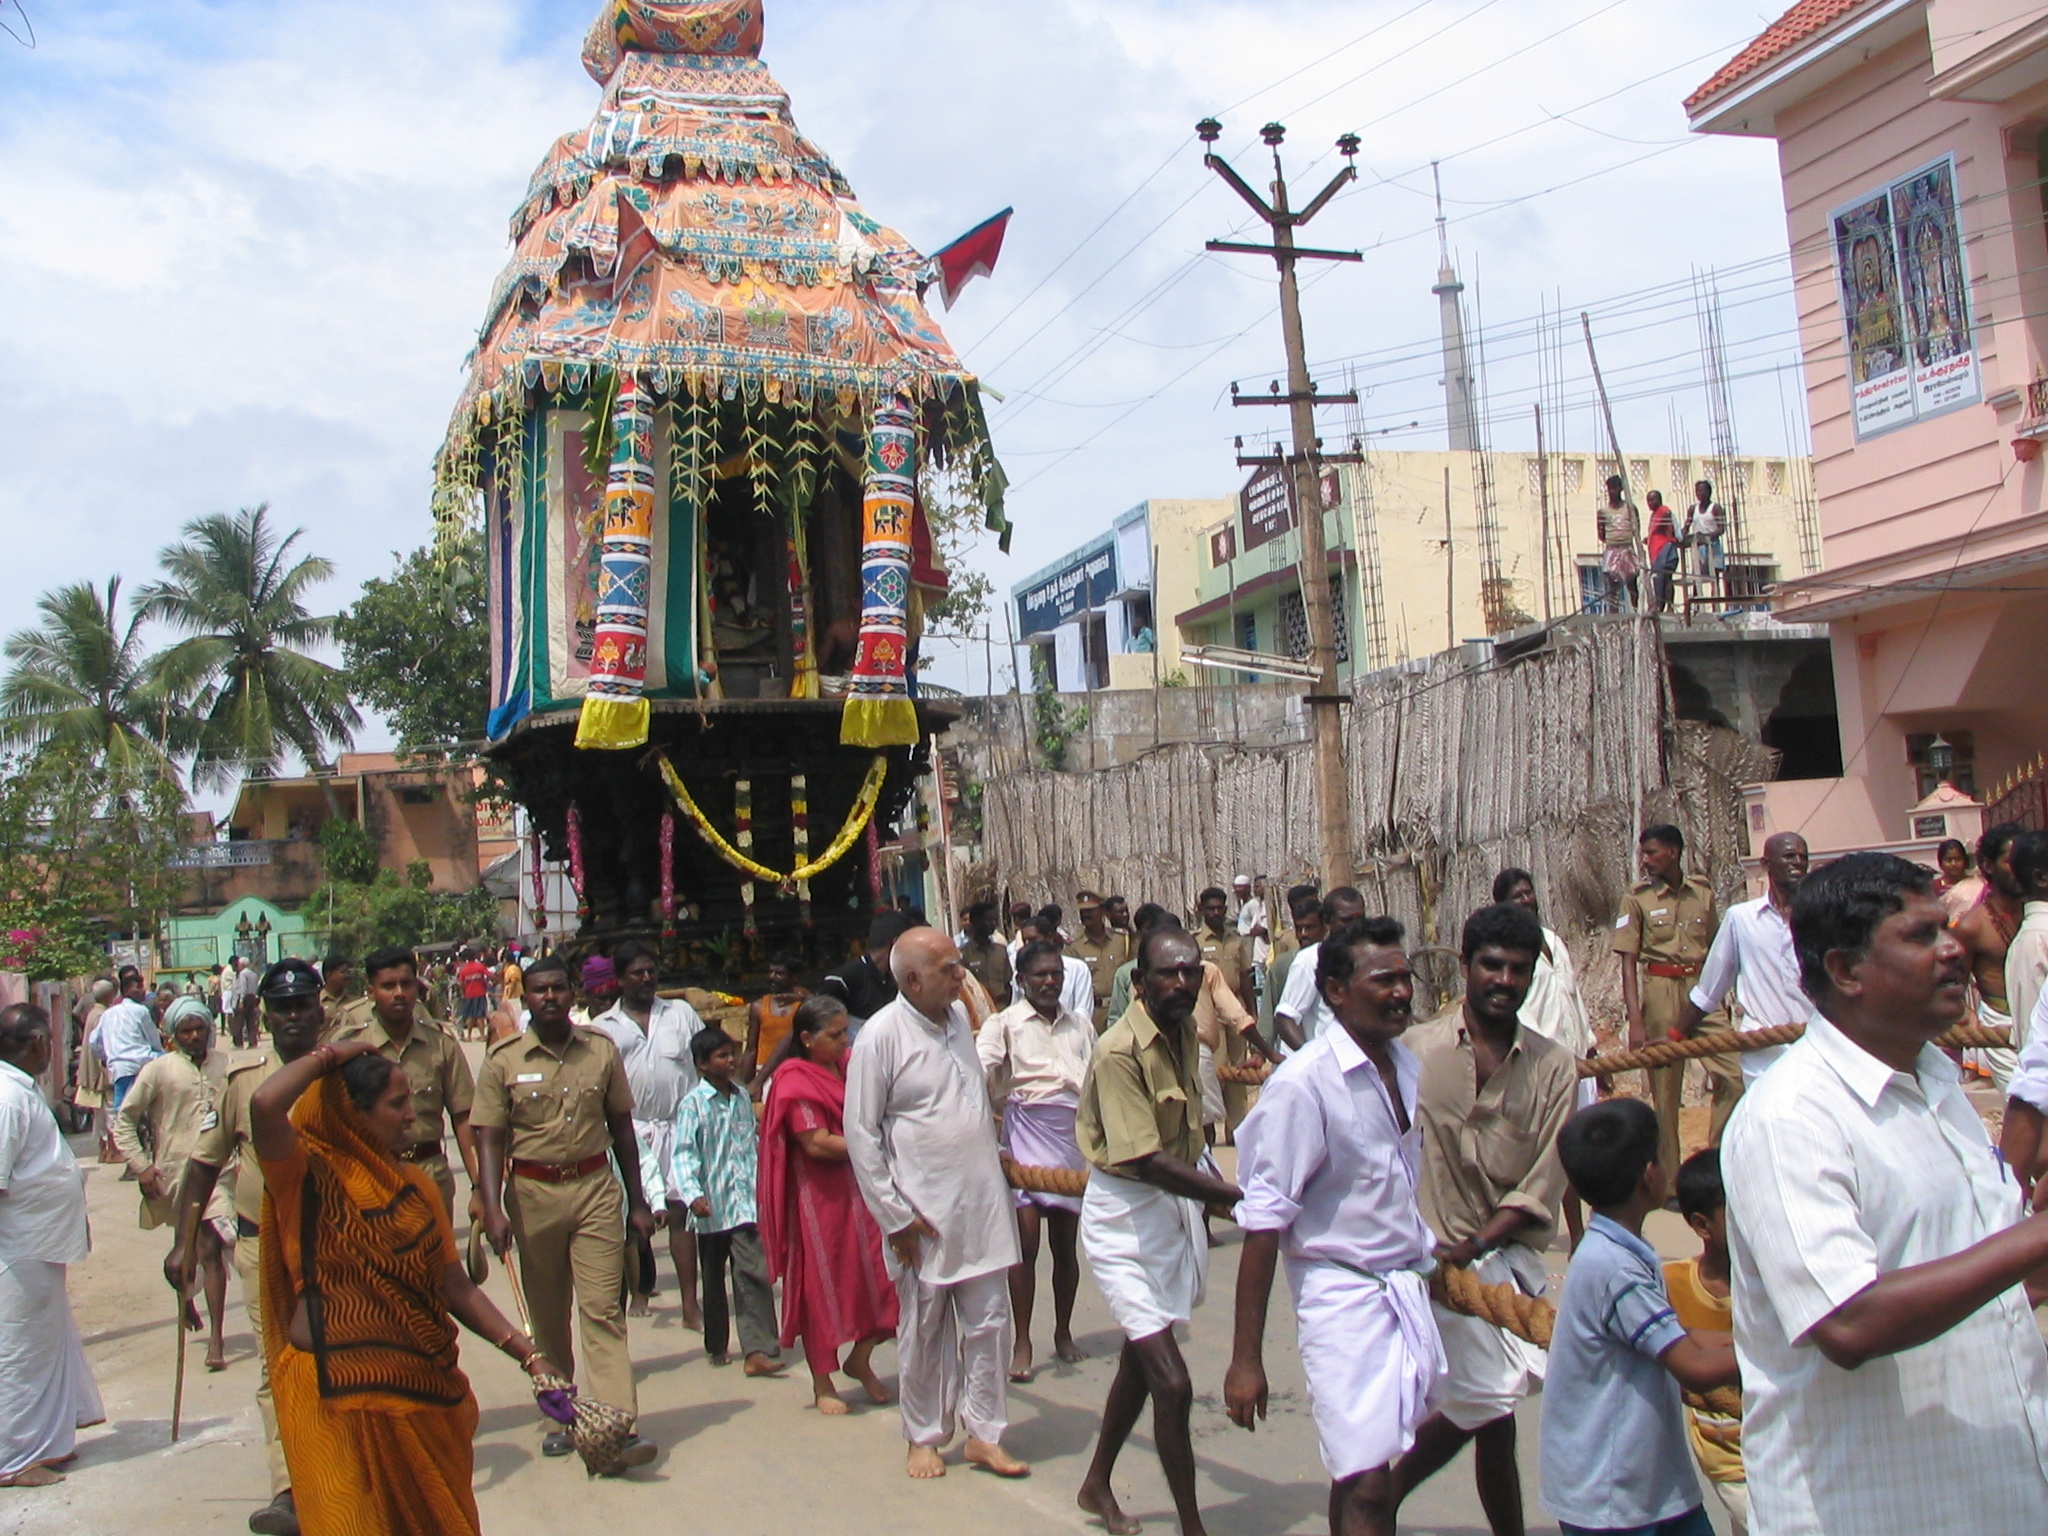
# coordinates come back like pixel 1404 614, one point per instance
pixel 559 1173
pixel 420 1152
pixel 1671 970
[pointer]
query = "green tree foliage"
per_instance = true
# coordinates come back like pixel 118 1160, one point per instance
pixel 356 917
pixel 415 646
pixel 233 589
pixel 81 684
pixel 347 852
pixel 85 850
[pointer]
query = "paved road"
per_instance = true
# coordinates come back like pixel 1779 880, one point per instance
pixel 740 1457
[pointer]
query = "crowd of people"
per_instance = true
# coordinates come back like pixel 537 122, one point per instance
pixel 883 1157
pixel 1675 548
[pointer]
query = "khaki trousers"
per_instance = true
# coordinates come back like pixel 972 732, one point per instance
pixel 249 1265
pixel 572 1250
pixel 437 1169
pixel 1663 996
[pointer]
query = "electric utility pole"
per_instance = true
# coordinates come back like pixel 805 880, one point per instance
pixel 1333 809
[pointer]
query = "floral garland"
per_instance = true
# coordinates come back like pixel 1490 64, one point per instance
pixel 857 821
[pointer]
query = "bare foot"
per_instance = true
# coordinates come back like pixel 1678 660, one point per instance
pixel 693 1315
pixel 829 1402
pixel 216 1358
pixel 1101 1502
pixel 925 1463
pixel 1020 1361
pixel 43 1477
pixel 993 1458
pixel 192 1323
pixel 765 1365
pixel 870 1383
pixel 1064 1346
pixel 639 1307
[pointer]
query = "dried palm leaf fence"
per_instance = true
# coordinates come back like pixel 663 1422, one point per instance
pixel 1459 765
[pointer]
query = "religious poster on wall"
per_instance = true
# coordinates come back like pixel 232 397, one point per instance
pixel 1905 301
pixel 1935 292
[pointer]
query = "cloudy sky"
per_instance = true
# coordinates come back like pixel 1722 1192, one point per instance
pixel 247 245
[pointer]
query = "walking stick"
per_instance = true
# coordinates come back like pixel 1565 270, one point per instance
pixel 178 1390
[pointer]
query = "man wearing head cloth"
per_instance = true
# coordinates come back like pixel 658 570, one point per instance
pixel 174 1102
pixel 290 995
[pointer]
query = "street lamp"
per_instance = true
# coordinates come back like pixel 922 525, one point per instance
pixel 1941 757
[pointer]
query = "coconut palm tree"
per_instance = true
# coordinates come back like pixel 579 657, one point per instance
pixel 233 589
pixel 81 683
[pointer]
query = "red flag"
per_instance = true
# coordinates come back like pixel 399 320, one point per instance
pixel 972 255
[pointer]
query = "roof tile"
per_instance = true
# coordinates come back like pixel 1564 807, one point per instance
pixel 1806 18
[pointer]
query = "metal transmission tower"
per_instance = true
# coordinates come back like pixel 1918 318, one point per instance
pixel 1450 305
pixel 1333 800
pixel 1727 477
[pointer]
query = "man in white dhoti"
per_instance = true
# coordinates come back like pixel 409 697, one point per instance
pixel 1330 1159
pixel 46 1389
pixel 1035 1053
pixel 653 1034
pixel 1492 1099
pixel 1140 1127
pixel 923 1147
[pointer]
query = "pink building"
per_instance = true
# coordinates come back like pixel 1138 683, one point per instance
pixel 1912 137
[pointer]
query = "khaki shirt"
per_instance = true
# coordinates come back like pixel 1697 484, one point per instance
pixel 1137 1099
pixel 171 1105
pixel 344 1018
pixel 1486 1148
pixel 554 1106
pixel 990 964
pixel 230 1145
pixel 1225 951
pixel 434 1067
pixel 1102 961
pixel 1667 925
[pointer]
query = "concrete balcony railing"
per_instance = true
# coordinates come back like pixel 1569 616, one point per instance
pixel 250 854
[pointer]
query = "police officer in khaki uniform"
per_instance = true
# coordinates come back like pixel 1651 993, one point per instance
pixel 345 1014
pixel 1665 928
pixel 290 995
pixel 553 1108
pixel 1103 949
pixel 1228 950
pixel 442 1087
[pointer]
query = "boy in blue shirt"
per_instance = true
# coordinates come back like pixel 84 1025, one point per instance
pixel 714 1161
pixel 1616 1460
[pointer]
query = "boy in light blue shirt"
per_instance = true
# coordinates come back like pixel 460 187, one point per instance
pixel 1616 1461
pixel 714 1162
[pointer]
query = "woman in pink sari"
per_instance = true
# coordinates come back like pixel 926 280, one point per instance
pixel 821 1242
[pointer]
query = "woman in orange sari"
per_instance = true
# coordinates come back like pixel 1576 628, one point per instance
pixel 361 1286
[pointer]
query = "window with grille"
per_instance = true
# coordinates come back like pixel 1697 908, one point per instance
pixel 1535 473
pixel 1639 474
pixel 1774 477
pixel 1293 623
pixel 1574 476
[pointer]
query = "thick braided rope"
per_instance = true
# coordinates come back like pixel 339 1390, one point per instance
pixel 1663 1053
pixel 1072 1182
pixel 1527 1317
pixel 1253 1072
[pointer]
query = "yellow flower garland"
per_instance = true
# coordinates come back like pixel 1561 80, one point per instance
pixel 856 822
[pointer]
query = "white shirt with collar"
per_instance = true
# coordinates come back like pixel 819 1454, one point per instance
pixel 1300 1000
pixel 1077 987
pixel 922 1142
pixel 1034 1062
pixel 1839 1170
pixel 128 1039
pixel 1753 952
pixel 657 1059
pixel 42 1190
pixel 1253 915
pixel 1323 1161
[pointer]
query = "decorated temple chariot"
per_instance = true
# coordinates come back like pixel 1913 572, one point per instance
pixel 712 434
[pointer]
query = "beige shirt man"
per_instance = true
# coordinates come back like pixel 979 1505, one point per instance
pixel 443 1089
pixel 560 1195
pixel 172 1104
